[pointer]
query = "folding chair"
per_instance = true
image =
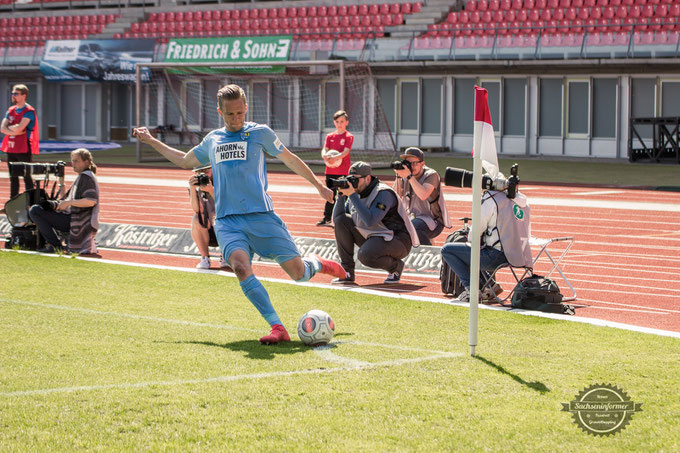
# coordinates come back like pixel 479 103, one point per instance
pixel 543 244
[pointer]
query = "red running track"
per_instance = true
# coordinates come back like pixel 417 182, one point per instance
pixel 625 262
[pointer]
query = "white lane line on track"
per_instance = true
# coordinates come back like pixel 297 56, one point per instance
pixel 306 189
pixel 596 192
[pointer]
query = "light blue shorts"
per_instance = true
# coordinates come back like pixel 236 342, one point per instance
pixel 263 233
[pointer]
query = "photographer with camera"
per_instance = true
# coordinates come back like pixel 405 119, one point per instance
pixel 75 213
pixel 420 188
pixel 202 194
pixel 506 222
pixel 371 215
pixel 20 127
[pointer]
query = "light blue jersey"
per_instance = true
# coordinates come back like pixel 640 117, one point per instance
pixel 239 168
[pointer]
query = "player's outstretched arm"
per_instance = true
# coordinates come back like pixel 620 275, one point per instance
pixel 298 166
pixel 177 157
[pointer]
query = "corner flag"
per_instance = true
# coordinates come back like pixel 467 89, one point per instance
pixel 484 142
pixel 487 147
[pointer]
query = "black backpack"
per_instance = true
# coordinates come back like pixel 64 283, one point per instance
pixel 449 280
pixel 536 292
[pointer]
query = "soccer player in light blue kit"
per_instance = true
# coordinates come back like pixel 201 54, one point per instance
pixel 245 222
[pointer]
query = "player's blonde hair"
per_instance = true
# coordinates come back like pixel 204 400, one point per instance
pixel 230 93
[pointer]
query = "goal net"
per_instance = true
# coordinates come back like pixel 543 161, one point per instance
pixel 296 99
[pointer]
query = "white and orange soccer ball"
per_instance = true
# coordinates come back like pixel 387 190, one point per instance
pixel 316 328
pixel 333 153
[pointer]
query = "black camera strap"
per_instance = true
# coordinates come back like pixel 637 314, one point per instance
pixel 202 209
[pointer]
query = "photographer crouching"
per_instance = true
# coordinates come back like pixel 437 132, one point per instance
pixel 202 194
pixel 76 212
pixel 420 188
pixel 506 226
pixel 371 215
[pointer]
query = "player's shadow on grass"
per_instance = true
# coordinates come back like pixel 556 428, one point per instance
pixel 255 350
pixel 538 386
pixel 401 287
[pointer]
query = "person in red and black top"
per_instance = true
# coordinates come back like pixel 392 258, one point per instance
pixel 335 153
pixel 20 127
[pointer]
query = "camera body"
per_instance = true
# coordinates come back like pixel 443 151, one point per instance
pixel 401 164
pixel 202 179
pixel 343 183
pixel 457 177
pixel 20 169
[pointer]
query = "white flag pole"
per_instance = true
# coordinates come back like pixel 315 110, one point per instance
pixel 475 239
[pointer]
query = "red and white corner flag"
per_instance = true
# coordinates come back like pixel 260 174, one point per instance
pixel 484 142
pixel 487 149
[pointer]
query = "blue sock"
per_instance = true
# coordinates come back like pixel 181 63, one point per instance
pixel 310 269
pixel 257 295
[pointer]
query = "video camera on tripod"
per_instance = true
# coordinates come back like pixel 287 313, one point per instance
pixel 24 232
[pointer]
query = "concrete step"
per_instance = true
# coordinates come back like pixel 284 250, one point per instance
pixel 420 21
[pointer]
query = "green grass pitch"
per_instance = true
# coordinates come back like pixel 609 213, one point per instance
pixel 97 356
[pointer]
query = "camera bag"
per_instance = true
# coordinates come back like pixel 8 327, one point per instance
pixel 25 238
pixel 449 280
pixel 536 292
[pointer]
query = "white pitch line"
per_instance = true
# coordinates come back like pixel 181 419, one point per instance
pixel 238 377
pixel 88 311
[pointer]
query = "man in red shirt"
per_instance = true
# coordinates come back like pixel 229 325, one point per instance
pixel 336 155
pixel 20 127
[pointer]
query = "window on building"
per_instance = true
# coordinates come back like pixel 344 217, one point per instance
pixel 432 106
pixel 408 110
pixel 578 92
pixel 387 91
pixel 331 103
pixel 604 108
pixel 514 106
pixel 670 98
pixel 309 105
pixel 464 105
pixel 550 116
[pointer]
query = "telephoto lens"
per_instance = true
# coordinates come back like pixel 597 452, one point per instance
pixel 457 177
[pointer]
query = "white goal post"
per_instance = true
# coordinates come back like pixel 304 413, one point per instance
pixel 178 102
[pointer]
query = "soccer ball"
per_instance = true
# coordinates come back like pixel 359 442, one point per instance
pixel 316 328
pixel 334 153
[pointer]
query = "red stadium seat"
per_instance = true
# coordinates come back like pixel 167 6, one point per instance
pixel 482 5
pixel 494 5
pixel 674 10
pixel 534 15
pixel 608 12
pixel 406 8
pixel 485 17
pixel 595 13
pixel 647 11
pixel 552 4
pixel 546 15
pixel 541 4
pixel 471 5
pixel 355 21
pixel 510 15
